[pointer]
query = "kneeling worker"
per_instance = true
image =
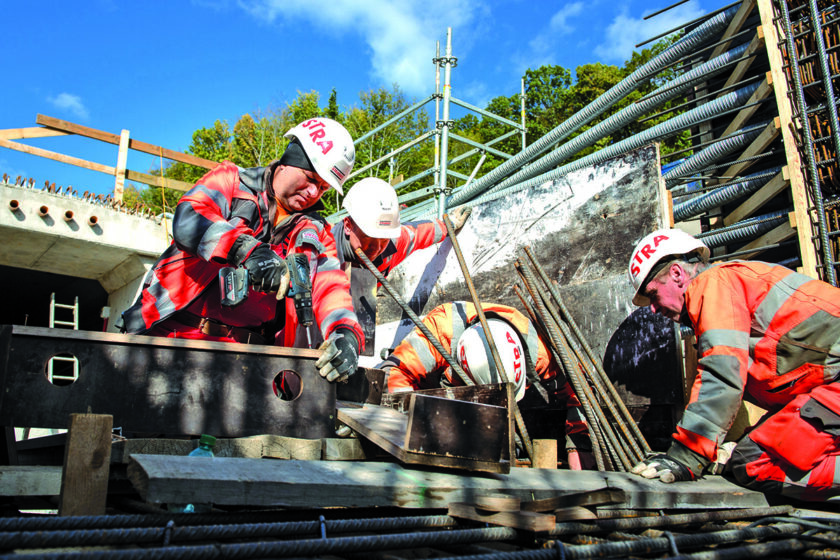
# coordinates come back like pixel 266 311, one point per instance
pixel 415 363
pixel 764 333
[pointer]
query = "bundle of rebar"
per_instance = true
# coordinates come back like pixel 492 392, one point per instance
pixel 617 442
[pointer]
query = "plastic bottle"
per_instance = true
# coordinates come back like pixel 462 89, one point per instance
pixel 204 449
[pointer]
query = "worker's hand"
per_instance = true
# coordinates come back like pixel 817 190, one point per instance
pixel 339 356
pixel 663 467
pixel 459 216
pixel 267 272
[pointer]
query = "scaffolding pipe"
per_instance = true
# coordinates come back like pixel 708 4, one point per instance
pixel 713 153
pixel 713 109
pixel 392 120
pixel 723 195
pixel 690 42
pixel 816 191
pixel 448 62
pixel 482 112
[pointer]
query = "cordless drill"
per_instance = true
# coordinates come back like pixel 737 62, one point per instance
pixel 234 286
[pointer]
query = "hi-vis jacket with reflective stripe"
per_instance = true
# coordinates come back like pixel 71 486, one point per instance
pixel 418 365
pixel 218 223
pixel 764 333
pixel 413 237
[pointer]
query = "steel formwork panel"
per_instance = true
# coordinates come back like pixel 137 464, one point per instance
pixel 161 385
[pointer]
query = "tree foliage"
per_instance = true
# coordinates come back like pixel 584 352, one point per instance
pixel 553 94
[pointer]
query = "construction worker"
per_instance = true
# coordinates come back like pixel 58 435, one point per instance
pixel 373 225
pixel 416 364
pixel 764 333
pixel 253 218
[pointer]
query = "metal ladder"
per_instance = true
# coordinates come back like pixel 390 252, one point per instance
pixel 63 376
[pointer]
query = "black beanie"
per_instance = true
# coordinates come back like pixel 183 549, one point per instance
pixel 295 156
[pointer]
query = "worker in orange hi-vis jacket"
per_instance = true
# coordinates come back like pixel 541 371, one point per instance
pixel 766 334
pixel 415 363
pixel 373 225
pixel 253 218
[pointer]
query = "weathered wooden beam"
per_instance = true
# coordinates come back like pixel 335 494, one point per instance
pixel 526 520
pixel 734 26
pixel 742 116
pixel 757 146
pixel 111 138
pixel 257 482
pixel 30 132
pixel 596 498
pixel 758 199
pixel 29 480
pixel 84 481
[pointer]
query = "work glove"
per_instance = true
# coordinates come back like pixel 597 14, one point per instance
pixel 267 272
pixel 459 216
pixel 663 467
pixel 339 356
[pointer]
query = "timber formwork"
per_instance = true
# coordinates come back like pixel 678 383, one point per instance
pixel 762 181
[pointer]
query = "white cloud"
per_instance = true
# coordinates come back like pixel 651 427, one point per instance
pixel 625 32
pixel 70 103
pixel 401 36
pixel 558 26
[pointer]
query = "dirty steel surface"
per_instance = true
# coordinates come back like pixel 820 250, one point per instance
pixel 161 385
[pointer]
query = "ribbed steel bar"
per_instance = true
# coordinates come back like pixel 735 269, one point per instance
pixel 686 24
pixel 293 548
pixel 595 433
pixel 576 376
pixel 456 367
pixel 816 191
pixel 479 310
pixel 826 73
pixel 613 397
pixel 179 533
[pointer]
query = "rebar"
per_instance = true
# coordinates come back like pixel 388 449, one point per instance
pixel 744 230
pixel 723 195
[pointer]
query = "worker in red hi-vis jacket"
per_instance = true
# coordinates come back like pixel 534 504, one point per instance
pixel 415 363
pixel 764 333
pixel 253 218
pixel 373 225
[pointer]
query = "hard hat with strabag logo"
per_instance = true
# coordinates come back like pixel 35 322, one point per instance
pixel 473 354
pixel 372 203
pixel 329 148
pixel 654 248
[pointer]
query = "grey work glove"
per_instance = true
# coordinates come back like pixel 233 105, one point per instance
pixel 267 272
pixel 663 467
pixel 459 216
pixel 339 356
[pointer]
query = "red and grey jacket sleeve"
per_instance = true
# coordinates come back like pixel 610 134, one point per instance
pixel 717 308
pixel 204 224
pixel 416 362
pixel 413 237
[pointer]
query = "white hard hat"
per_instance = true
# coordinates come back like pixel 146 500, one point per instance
pixel 473 354
pixel 655 247
pixel 372 203
pixel 329 147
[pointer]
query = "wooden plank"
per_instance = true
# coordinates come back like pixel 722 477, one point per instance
pixel 525 520
pixel 545 453
pixel 596 498
pixel 56 156
pixel 776 235
pixel 342 449
pixel 115 139
pixel 734 26
pixel 30 480
pixel 29 132
pixel 756 44
pixel 312 484
pixel 284 447
pixel 574 513
pixel 157 181
pixel 742 116
pixel 758 199
pixel 757 146
pixel 799 190
pixel 84 482
pixel 497 502
pixel 122 159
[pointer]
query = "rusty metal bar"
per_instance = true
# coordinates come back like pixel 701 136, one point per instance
pixel 456 367
pixel 520 422
pixel 616 398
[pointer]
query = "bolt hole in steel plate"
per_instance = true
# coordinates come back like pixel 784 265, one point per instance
pixel 287 385
pixel 62 369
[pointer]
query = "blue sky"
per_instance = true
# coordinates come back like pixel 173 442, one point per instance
pixel 164 69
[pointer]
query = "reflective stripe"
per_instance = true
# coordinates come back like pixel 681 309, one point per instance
pixel 723 337
pixel 421 349
pixel 459 311
pixel 210 239
pixel 776 297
